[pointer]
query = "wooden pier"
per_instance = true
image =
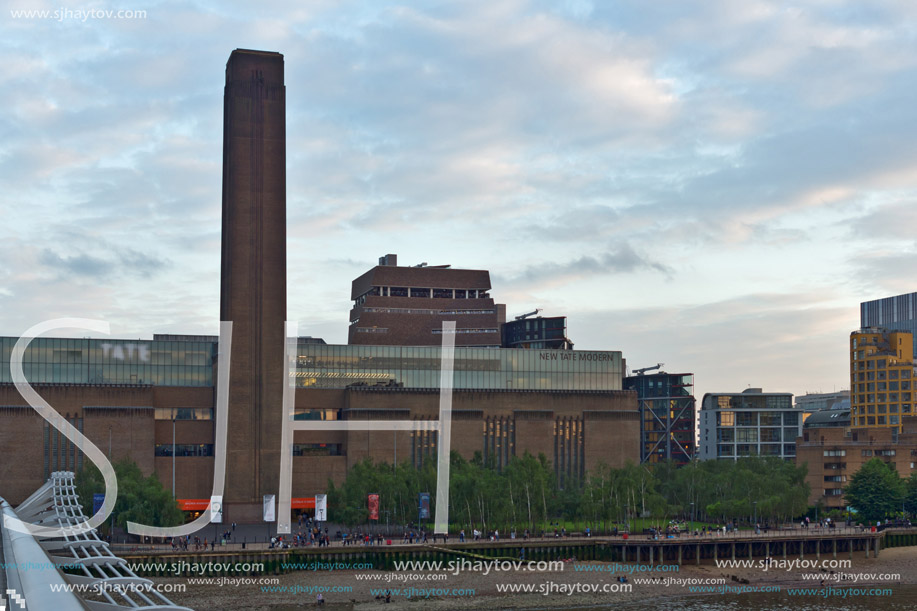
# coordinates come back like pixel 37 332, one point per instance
pixel 639 549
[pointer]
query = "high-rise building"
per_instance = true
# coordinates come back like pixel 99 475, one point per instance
pixel 898 313
pixel 667 416
pixel 749 423
pixel 406 306
pixel 881 373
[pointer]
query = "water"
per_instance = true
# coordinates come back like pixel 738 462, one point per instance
pixel 903 598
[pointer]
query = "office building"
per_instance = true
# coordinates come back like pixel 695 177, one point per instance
pixel 881 370
pixel 667 416
pixel 749 423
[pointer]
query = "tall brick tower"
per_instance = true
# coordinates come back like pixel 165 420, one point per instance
pixel 253 280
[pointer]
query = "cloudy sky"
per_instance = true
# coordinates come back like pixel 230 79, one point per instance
pixel 711 184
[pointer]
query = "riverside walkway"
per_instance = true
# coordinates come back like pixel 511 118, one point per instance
pixel 798 543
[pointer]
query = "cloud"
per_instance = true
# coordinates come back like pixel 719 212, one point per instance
pixel 621 260
pixel 122 262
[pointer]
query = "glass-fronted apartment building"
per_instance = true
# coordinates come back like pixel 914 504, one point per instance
pixel 749 423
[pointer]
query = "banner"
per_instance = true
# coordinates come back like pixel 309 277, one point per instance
pixel 269 513
pixel 97 500
pixel 321 507
pixel 373 506
pixel 424 506
pixel 216 509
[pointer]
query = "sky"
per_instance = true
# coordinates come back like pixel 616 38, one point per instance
pixel 713 185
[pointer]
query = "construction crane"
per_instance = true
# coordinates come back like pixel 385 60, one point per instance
pixel 522 316
pixel 640 372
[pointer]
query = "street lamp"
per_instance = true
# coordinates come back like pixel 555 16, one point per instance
pixel 756 517
pixel 692 516
pixel 626 518
pixel 173 455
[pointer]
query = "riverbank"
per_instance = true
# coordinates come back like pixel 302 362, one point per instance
pixel 570 584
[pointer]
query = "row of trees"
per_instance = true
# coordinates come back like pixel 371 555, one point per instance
pixel 525 493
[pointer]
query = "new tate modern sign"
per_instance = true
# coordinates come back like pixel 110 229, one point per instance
pixel 562 355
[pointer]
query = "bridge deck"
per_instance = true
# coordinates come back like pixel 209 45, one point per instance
pixel 2 567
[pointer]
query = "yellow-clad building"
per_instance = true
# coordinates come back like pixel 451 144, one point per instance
pixel 881 377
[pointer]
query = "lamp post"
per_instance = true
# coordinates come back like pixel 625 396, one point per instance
pixel 173 455
pixel 692 515
pixel 626 517
pixel 756 517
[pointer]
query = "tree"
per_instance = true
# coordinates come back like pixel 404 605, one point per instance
pixel 875 491
pixel 910 499
pixel 140 499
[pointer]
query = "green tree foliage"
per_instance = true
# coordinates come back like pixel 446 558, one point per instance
pixel 140 499
pixel 526 493
pixel 910 498
pixel 875 491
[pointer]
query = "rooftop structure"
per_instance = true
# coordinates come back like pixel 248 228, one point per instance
pixel 405 306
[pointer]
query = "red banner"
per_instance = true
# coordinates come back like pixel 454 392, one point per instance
pixel 373 506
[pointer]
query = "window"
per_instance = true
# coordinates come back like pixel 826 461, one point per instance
pixel 866 453
pixel 182 449
pixel 834 491
pixel 748 435
pixel 835 453
pixel 398 291
pixel 318 449
pixel 885 452
pixel 184 413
